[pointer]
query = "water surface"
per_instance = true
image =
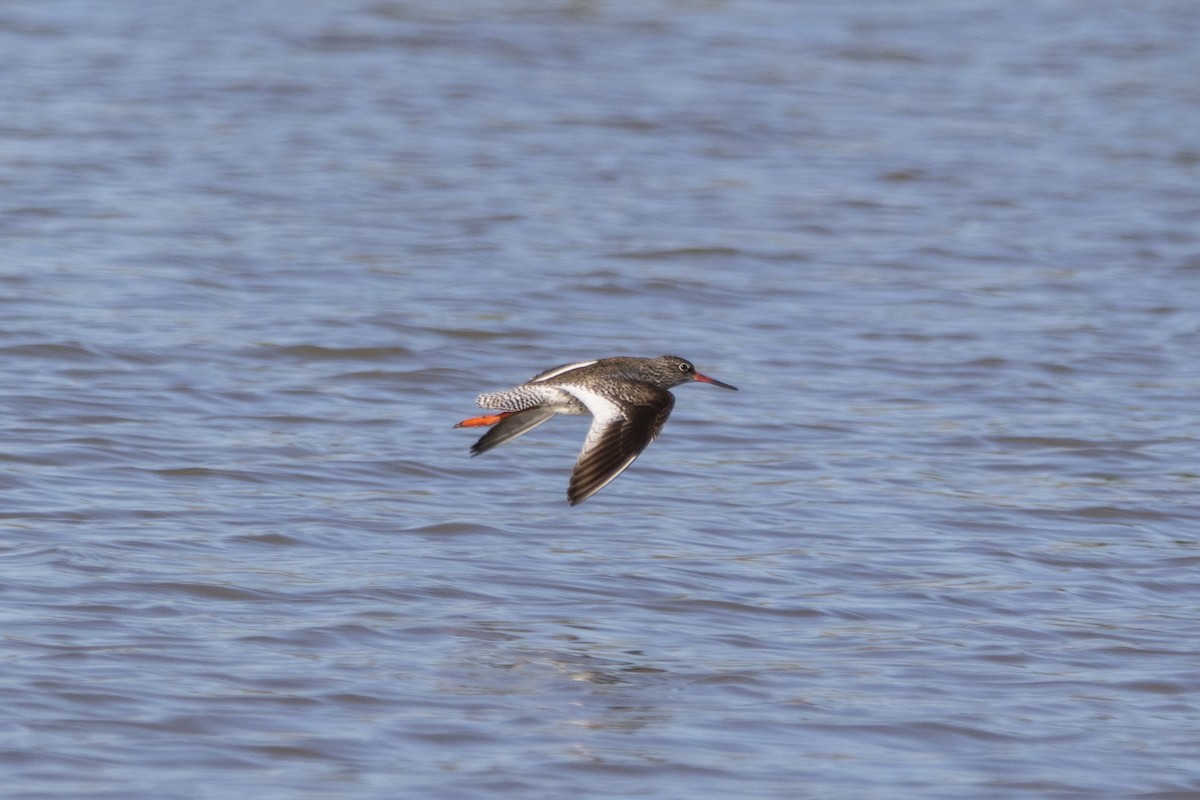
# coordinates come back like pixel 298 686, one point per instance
pixel 258 258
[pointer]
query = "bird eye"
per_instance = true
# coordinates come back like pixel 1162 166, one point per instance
pixel 686 367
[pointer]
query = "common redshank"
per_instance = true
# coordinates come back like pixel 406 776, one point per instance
pixel 627 398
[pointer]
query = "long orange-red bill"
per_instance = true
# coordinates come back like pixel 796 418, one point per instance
pixel 705 379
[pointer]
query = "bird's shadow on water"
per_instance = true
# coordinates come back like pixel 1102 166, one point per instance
pixel 617 691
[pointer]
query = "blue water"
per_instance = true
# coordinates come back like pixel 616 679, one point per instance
pixel 257 259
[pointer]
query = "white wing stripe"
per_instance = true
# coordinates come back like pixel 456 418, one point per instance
pixel 565 368
pixel 604 411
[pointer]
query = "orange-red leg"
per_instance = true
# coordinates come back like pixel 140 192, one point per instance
pixel 479 422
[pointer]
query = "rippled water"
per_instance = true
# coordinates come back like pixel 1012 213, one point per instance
pixel 257 258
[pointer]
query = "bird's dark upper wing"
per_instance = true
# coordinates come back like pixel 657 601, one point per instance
pixel 619 433
pixel 511 427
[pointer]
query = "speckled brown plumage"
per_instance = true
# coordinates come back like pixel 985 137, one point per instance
pixel 628 398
